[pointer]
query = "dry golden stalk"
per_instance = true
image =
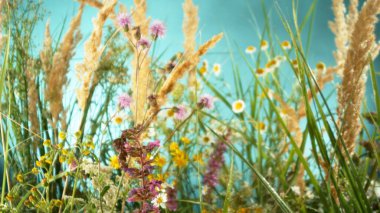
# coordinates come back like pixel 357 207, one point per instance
pixel 32 96
pixel 93 51
pixel 141 76
pixel 139 16
pixel 56 78
pixel 177 73
pixel 352 16
pixel 189 28
pixel 46 52
pixel 92 3
pixel 351 91
pixel 339 28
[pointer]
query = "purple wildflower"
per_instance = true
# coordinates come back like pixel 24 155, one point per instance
pixel 125 20
pixel 125 101
pixel 154 144
pixel 215 163
pixel 144 43
pixel 171 203
pixel 129 145
pixel 180 112
pixel 206 101
pixel 157 29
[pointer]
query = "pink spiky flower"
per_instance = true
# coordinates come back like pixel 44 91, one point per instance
pixel 157 29
pixel 125 101
pixel 207 101
pixel 144 43
pixel 124 20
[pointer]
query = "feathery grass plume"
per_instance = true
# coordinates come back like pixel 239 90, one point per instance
pixel 352 88
pixel 56 78
pixel 352 15
pixel 92 52
pixel 339 28
pixel 181 69
pixel 177 73
pixel 92 3
pixel 141 76
pixel 46 52
pixel 189 28
pixel 139 16
pixel 291 120
pixel 32 96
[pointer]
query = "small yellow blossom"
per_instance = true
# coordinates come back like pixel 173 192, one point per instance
pixel 90 145
pixel 170 112
pixel 78 133
pixel 238 106
pixel 38 163
pixel 114 162
pixel 260 71
pixel 65 151
pixel 47 142
pixel 261 126
pixel 62 159
pixel 159 161
pixel 48 161
pixel 217 69
pixel 86 152
pixel 250 49
pixel 35 171
pixel 173 147
pixel 198 158
pixel 10 197
pixel 204 68
pixel 286 45
pixel 118 120
pixel 62 135
pixel 185 140
pixel 320 67
pixel 20 178
pixel 263 45
pixel 180 159
pixel 60 145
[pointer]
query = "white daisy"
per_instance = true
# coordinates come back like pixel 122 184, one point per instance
pixel 260 72
pixel 238 106
pixel 264 45
pixel 320 67
pixel 160 201
pixel 217 69
pixel 250 49
pixel 286 45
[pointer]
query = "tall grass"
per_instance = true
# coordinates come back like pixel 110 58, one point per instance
pixel 149 135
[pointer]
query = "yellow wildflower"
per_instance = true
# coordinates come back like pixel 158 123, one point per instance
pixel 180 159
pixel 118 120
pixel 47 142
pixel 62 135
pixel 38 163
pixel 198 158
pixel 185 140
pixel 35 171
pixel 114 162
pixel 159 161
pixel 20 178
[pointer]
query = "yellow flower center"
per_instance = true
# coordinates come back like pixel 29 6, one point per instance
pixel 260 71
pixel 238 105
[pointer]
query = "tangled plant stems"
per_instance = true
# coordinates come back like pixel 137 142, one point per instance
pixel 188 138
